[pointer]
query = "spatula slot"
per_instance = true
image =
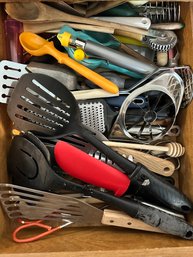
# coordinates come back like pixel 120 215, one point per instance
pixel 47 102
pixel 35 82
pixel 34 122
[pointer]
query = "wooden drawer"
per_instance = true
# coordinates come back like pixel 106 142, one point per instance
pixel 108 241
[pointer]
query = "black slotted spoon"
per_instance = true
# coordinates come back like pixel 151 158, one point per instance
pixel 44 106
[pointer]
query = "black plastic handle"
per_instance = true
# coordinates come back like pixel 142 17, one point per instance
pixel 168 223
pixel 152 187
pixel 144 181
pixel 150 215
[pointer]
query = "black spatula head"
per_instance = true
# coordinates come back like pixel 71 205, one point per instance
pixel 28 167
pixel 43 105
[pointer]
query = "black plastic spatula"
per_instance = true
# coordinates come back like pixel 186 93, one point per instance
pixel 44 106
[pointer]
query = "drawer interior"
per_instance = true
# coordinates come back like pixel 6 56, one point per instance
pixel 107 239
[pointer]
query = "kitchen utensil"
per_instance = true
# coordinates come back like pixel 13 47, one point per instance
pixel 168 26
pixel 165 217
pixel 170 87
pixel 54 27
pixel 71 205
pixel 97 114
pixel 184 72
pixel 38 46
pixel 158 40
pixel 26 203
pixel 159 12
pixel 173 149
pixel 93 62
pixel 93 94
pixel 163 41
pixel 78 164
pixel 138 22
pixel 111 55
pixel 165 167
pixel 39 12
pixel 52 112
pixel 148 214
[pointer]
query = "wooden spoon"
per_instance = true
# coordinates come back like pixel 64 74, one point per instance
pixel 39 12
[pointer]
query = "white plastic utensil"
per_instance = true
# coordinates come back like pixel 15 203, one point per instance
pixel 138 22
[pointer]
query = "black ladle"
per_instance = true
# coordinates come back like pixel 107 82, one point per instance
pixel 44 106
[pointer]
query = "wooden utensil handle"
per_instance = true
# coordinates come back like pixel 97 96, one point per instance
pixel 120 219
pixel 91 94
pixel 55 26
pixel 155 164
pixel 136 146
pixel 48 13
pixel 172 149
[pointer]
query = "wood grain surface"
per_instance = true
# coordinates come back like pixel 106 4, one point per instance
pixel 108 241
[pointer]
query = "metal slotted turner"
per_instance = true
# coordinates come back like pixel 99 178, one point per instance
pixel 21 202
pixel 26 203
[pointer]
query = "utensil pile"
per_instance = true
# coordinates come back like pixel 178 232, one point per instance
pixel 95 105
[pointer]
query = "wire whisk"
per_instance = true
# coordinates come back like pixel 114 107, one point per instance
pixel 160 12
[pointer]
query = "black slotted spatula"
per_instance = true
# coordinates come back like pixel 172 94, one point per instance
pixel 44 106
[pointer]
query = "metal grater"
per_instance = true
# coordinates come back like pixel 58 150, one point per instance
pixel 92 115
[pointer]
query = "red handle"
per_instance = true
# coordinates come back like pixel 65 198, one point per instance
pixel 49 230
pixel 80 165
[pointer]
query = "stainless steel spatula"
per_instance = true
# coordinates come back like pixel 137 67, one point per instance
pixel 17 203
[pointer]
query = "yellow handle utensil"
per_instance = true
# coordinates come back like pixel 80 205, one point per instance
pixel 38 46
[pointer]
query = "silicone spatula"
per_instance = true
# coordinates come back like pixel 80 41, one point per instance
pixel 82 166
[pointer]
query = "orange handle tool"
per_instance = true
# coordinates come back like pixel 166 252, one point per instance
pixel 38 46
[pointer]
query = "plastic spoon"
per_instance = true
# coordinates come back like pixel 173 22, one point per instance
pixel 38 46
